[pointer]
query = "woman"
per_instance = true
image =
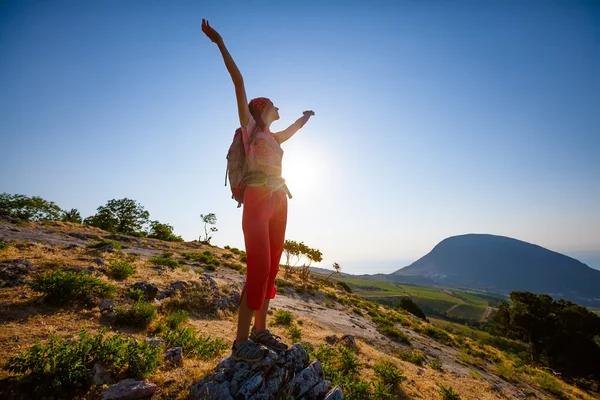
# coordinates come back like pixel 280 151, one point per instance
pixel 265 211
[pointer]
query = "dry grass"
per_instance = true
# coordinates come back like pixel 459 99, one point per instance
pixel 24 322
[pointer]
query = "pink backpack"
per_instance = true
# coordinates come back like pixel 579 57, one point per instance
pixel 237 165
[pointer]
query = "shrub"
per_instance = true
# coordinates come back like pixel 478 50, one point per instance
pixel 387 328
pixel 436 363
pixel 106 242
pixel 295 334
pixel 197 299
pixel 200 347
pixel 550 384
pixel 244 258
pixel 163 232
pixel 410 306
pixel 283 317
pixel 3 245
pixel 506 371
pixel 166 261
pixel 227 256
pixel 135 294
pixel 234 250
pixel 121 270
pixel 448 393
pixel 439 335
pixel 357 311
pixel 414 357
pixel 348 362
pixel 227 247
pixel 389 374
pixel 176 318
pixel 344 286
pixel 60 367
pixel 140 315
pixel 61 287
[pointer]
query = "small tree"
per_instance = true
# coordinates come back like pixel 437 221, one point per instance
pixel 163 232
pixel 311 255
pixel 291 249
pixel 122 216
pixel 336 270
pixel 71 216
pixel 209 219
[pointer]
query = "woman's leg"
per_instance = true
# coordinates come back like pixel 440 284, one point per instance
pixel 255 224
pixel 277 227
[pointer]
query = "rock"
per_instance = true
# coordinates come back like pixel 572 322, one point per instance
pixel 72 246
pixel 150 289
pixel 84 236
pixel 334 394
pixel 99 261
pixel 155 341
pixel 107 305
pixel 332 339
pixel 420 371
pixel 101 375
pixel 129 389
pixel 305 380
pixel 164 294
pixel 496 388
pixel 277 374
pixel 75 269
pixel 107 248
pixel 348 341
pixel 91 269
pixel 159 268
pixel 179 285
pixel 111 313
pixel 174 355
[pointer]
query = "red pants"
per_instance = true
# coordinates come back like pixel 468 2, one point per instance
pixel 263 221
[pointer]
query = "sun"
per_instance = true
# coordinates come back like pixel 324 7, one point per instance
pixel 302 170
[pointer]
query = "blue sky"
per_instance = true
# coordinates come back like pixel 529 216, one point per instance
pixel 433 118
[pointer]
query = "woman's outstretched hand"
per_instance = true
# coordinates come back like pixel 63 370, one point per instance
pixel 212 34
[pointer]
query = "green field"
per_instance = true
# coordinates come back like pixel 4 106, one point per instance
pixel 452 302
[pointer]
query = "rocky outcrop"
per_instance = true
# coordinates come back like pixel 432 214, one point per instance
pixel 286 374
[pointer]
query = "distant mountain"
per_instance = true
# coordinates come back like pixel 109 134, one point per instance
pixel 502 264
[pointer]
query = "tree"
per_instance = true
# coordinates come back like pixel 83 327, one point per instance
pixel 163 232
pixel 291 249
pixel 406 303
pixel 71 216
pixel 28 208
pixel 122 216
pixel 209 219
pixel 561 335
pixel 311 255
pixel 336 270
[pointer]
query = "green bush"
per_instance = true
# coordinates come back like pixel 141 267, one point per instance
pixel 163 232
pixel 234 250
pixel 3 245
pixel 121 270
pixel 244 258
pixel 106 242
pixel 387 328
pixel 389 374
pixel 135 294
pixel 550 384
pixel 200 347
pixel 236 266
pixel 176 318
pixel 61 287
pixel 284 318
pixel 295 334
pixel 414 357
pixel 166 261
pixel 448 393
pixel 439 335
pixel 60 367
pixel 436 363
pixel 140 315
pixel 344 286
pixel 227 255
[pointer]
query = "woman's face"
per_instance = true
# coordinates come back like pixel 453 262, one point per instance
pixel 271 112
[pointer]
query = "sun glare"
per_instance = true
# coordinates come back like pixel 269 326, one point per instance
pixel 303 171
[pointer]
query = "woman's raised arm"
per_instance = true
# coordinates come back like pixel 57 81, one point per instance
pixel 236 76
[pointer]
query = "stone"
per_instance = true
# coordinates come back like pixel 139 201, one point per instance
pixel 155 341
pixel 305 380
pixel 107 249
pixel 174 355
pixel 164 294
pixel 101 375
pixel 179 285
pixel 107 305
pixel 129 389
pixel 334 394
pixel 159 268
pixel 348 341
pixel 99 261
pixel 332 339
pixel 150 290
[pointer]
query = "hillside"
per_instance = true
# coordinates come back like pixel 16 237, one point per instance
pixel 501 264
pixel 382 351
